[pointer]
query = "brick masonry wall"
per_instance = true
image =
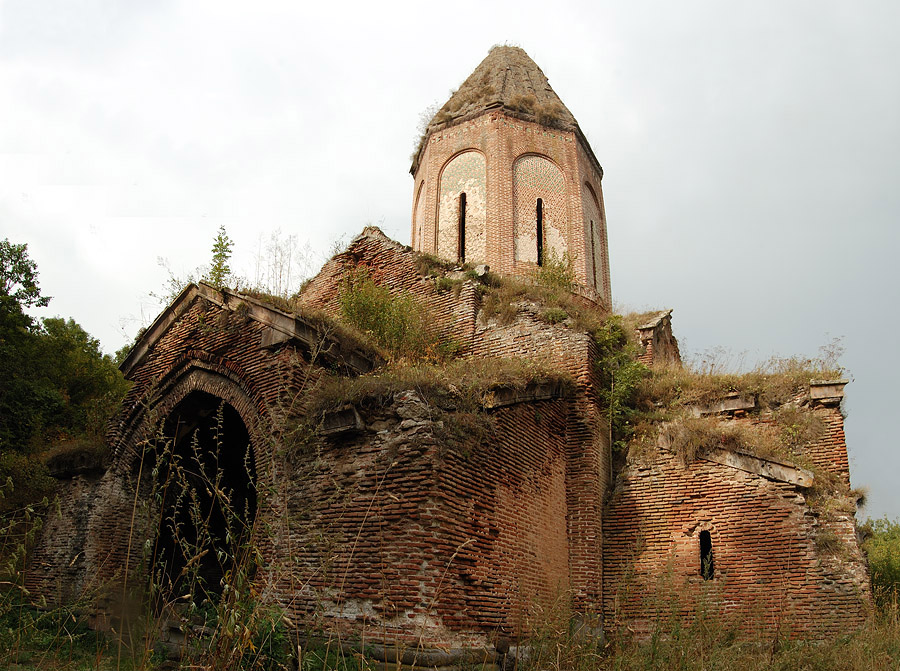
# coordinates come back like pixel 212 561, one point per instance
pixel 458 552
pixel 658 342
pixel 415 531
pixel 537 178
pixel 504 140
pixel 464 174
pixel 830 451
pixel 596 273
pixel 57 569
pixel 211 349
pixel 406 534
pixel 394 266
pixel 527 336
pixel 770 575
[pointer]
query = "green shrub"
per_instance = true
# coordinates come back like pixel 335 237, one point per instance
pixel 882 547
pixel 556 272
pixel 619 378
pixel 398 323
pixel 554 315
pixel 24 479
pixel 444 284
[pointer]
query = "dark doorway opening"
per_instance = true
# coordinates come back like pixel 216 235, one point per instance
pixel 205 480
pixel 707 567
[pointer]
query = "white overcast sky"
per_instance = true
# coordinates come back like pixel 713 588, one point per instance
pixel 751 152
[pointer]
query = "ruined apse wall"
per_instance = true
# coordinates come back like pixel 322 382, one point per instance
pixel 409 527
pixel 786 560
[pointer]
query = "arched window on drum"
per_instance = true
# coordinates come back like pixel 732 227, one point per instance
pixel 460 234
pixel 540 219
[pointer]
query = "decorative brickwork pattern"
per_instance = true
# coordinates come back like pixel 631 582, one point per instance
pixel 464 174
pixel 503 139
pixel 537 178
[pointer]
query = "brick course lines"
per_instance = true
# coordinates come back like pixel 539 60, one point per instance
pixel 768 573
pixel 503 140
pixel 410 531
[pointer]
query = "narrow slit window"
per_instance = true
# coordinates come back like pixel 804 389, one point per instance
pixel 540 232
pixel 593 256
pixel 461 243
pixel 707 567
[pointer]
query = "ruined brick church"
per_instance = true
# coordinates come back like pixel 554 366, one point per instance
pixel 435 546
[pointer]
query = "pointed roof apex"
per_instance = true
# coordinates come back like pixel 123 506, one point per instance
pixel 507 79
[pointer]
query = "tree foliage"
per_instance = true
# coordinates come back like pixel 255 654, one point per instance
pixel 55 383
pixel 18 277
pixel 619 374
pixel 219 271
pixel 882 547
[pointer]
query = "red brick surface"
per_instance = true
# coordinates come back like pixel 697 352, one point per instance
pixel 504 139
pixel 769 574
pixel 417 527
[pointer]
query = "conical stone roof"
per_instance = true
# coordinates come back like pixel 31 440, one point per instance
pixel 507 79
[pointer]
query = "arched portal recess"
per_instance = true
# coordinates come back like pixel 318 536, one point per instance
pixel 206 483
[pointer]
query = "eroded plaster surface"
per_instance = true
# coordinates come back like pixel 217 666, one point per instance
pixel 464 174
pixel 536 177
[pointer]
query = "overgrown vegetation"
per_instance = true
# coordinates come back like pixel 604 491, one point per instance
pixel 58 388
pixel 460 383
pixel 713 642
pixel 771 383
pixel 202 577
pixel 547 113
pixel 398 323
pixel 882 547
pixel 550 288
pixel 219 273
pixel 230 625
pixel 671 400
pixel 280 268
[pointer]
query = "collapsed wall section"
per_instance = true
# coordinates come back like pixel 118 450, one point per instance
pixel 396 267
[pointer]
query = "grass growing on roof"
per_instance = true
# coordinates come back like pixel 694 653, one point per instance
pixel 465 381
